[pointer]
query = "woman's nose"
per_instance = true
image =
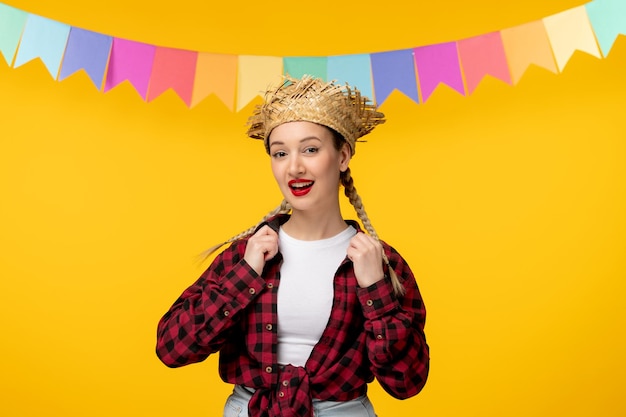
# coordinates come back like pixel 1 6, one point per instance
pixel 296 167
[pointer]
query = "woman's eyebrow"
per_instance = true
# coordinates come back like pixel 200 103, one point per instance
pixel 278 142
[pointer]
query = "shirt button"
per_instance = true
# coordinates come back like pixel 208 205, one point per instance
pixel 379 336
pixel 270 285
pixel 285 383
pixel 268 369
pixel 281 394
pixel 269 327
pixel 226 313
pixel 369 303
pixel 252 291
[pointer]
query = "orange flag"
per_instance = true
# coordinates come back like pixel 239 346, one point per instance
pixel 527 44
pixel 216 74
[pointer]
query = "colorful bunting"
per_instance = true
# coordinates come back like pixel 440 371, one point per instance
pixel 255 74
pixel 438 64
pixel 12 23
pixel 215 73
pixel 175 69
pixel 299 66
pixel 237 79
pixel 570 31
pixel 527 44
pixel 45 39
pixel 483 55
pixel 89 51
pixel 608 20
pixel 352 69
pixel 130 61
pixel 394 70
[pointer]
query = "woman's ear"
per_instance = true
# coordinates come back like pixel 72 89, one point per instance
pixel 345 156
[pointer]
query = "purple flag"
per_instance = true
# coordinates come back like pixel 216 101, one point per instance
pixel 89 51
pixel 394 70
pixel 438 64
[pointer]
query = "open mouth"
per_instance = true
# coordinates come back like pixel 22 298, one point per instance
pixel 300 187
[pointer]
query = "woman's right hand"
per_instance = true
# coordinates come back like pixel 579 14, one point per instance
pixel 261 247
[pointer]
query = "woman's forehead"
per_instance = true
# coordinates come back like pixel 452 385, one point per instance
pixel 298 130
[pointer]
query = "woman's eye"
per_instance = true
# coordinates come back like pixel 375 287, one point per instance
pixel 310 150
pixel 279 154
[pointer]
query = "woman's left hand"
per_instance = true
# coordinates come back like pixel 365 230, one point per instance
pixel 366 253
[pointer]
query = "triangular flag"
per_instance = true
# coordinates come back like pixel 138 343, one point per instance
pixel 43 38
pixel 296 67
pixel 527 44
pixel 215 73
pixel 356 70
pixel 11 26
pixel 483 55
pixel 608 18
pixel 255 75
pixel 438 64
pixel 175 69
pixel 130 61
pixel 89 51
pixel 394 70
pixel 570 31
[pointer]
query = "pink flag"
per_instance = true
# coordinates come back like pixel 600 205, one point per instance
pixel 175 69
pixel 130 61
pixel 483 55
pixel 438 64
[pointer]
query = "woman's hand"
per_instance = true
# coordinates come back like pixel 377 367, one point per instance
pixel 261 247
pixel 366 253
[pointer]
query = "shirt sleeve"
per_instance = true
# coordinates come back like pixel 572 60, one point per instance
pixel 199 321
pixel 394 325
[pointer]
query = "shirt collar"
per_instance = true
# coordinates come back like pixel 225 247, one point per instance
pixel 278 220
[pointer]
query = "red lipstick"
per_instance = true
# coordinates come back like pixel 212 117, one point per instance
pixel 300 187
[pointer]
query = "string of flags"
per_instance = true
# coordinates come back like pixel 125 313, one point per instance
pixel 237 79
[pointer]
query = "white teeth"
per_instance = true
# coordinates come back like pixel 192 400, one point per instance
pixel 301 184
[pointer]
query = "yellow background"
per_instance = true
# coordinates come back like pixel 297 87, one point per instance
pixel 508 204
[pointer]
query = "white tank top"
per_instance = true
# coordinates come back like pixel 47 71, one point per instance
pixel 305 293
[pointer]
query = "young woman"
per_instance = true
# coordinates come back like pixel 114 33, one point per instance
pixel 305 308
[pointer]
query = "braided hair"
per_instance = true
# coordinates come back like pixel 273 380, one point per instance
pixel 283 208
pixel 355 200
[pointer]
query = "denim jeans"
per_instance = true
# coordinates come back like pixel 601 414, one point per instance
pixel 237 406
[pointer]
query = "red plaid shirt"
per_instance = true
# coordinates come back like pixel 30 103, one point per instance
pixel 370 333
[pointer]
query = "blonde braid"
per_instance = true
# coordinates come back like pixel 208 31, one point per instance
pixel 357 203
pixel 283 208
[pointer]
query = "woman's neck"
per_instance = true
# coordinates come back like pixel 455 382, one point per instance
pixel 307 226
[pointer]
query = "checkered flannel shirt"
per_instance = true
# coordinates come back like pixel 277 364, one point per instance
pixel 370 333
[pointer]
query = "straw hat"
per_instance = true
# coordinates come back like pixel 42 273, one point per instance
pixel 341 108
